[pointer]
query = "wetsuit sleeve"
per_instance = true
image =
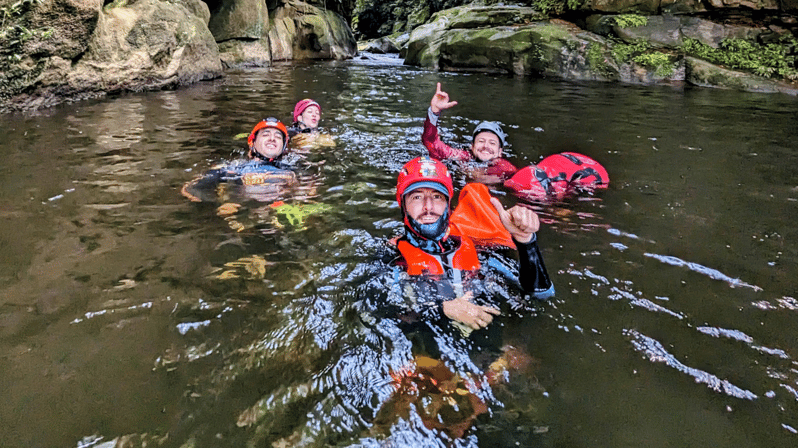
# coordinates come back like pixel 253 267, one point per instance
pixel 533 275
pixel 432 141
pixel 203 188
pixel 502 168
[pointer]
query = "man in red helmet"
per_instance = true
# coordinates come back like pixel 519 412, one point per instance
pixel 485 152
pixel 437 246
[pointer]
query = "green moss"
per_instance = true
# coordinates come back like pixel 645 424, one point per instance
pixel 629 20
pixel 597 60
pixel 662 63
pixel 775 59
pixel 556 7
pixel 624 53
pixel 13 30
pixel 641 53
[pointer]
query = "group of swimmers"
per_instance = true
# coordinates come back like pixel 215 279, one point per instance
pixel 438 239
pixel 440 244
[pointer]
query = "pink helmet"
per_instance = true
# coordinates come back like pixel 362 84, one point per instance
pixel 423 172
pixel 302 105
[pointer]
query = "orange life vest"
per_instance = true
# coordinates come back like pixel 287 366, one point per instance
pixel 463 258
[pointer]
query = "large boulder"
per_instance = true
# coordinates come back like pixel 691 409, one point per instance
pixel 704 74
pixel 460 41
pixel 241 28
pixel 126 45
pixel 670 31
pixel 423 48
pixel 58 31
pixel 148 44
pixel 239 19
pixel 254 33
pixel 302 31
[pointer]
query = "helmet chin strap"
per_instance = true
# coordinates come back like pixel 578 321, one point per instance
pixel 264 158
pixel 428 236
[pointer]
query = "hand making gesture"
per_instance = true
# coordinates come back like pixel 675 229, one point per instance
pixel 440 101
pixel 520 221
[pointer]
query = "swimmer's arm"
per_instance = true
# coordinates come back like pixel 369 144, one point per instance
pixel 533 276
pixel 462 310
pixel 502 168
pixel 432 141
pixel 203 188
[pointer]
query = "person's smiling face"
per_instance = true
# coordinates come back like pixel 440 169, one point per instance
pixel 486 146
pixel 425 205
pixel 269 143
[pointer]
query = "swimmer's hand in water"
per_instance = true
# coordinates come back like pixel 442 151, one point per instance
pixel 440 101
pixel 520 221
pixel 462 310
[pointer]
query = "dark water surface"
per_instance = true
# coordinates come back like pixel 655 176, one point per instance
pixel 129 313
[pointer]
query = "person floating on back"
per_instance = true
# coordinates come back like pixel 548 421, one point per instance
pixel 261 176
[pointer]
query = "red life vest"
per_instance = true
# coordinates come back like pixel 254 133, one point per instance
pixel 464 258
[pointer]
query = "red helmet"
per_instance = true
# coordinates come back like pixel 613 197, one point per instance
pixel 423 172
pixel 302 105
pixel 270 122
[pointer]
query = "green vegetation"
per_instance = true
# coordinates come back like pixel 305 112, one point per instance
pixel 17 68
pixel 597 60
pixel 771 59
pixel 642 53
pixel 626 52
pixel 630 20
pixel 662 63
pixel 13 33
pixel 556 7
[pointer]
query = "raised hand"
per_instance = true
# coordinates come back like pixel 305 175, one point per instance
pixel 440 101
pixel 462 310
pixel 520 221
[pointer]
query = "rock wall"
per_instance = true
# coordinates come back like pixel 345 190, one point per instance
pixel 83 48
pixel 378 18
pixel 255 33
pixel 654 49
pixel 62 50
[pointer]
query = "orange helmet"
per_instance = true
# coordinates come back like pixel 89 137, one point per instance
pixel 270 122
pixel 423 172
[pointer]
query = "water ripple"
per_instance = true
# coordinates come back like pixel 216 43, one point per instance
pixel 709 272
pixel 655 352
